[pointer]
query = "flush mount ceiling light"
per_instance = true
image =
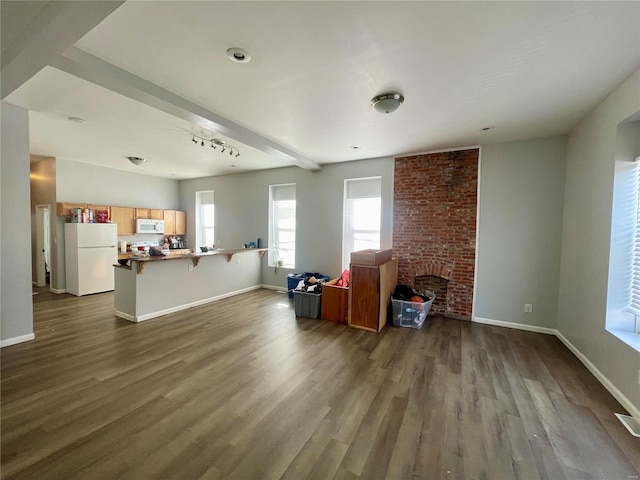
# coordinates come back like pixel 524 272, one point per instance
pixel 387 102
pixel 238 55
pixel 137 160
pixel 215 143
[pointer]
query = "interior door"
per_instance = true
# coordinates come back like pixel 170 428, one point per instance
pixel 42 232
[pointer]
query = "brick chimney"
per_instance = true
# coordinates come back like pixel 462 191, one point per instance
pixel 434 226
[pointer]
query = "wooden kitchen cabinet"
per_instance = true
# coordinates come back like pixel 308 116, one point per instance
pixel 370 290
pixel 95 208
pixel 335 303
pixel 169 222
pixel 181 223
pixel 152 213
pixel 125 218
pixel 63 209
pixel 175 222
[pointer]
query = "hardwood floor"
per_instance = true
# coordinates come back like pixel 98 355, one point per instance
pixel 241 389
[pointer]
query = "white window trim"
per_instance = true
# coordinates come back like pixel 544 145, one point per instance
pixel 345 226
pixel 634 301
pixel 272 256
pixel 199 240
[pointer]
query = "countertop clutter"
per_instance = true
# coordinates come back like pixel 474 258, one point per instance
pixel 175 221
pixel 141 259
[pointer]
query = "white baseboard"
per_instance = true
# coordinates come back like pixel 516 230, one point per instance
pixel 126 316
pixel 517 326
pixel 57 290
pixel 606 383
pixel 613 390
pixel 159 313
pixel 277 288
pixel 12 341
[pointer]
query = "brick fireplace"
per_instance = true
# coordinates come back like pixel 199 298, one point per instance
pixel 434 227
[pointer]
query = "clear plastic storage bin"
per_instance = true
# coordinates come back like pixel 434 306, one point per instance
pixel 411 314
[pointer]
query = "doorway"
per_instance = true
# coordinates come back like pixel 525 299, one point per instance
pixel 43 245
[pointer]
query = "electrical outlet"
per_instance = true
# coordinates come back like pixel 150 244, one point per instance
pixel 191 268
pixel 238 261
pixel 528 308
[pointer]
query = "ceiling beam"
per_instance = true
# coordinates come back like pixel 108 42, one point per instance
pixel 93 69
pixel 47 29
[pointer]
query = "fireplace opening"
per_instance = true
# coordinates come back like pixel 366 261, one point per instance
pixel 436 285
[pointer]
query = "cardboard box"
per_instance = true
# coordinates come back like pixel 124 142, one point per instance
pixel 371 257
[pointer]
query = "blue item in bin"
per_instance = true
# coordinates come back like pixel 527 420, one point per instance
pixel 294 278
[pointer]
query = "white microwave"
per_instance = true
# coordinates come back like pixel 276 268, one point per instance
pixel 145 225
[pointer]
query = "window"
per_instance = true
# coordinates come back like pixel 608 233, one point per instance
pixel 623 289
pixel 282 225
pixel 634 296
pixel 205 219
pixel 362 208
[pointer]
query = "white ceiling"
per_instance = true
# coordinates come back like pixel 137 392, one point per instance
pixel 530 69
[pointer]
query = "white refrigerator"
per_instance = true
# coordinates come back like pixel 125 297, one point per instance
pixel 90 253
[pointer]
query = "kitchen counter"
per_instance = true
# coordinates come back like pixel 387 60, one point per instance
pixel 178 251
pixel 194 257
pixel 153 286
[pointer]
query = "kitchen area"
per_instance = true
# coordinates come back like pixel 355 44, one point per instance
pixel 142 255
pixel 98 236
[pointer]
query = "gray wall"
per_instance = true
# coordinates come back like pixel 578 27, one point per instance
pixel 586 238
pixel 241 203
pixel 86 183
pixel 16 308
pixel 520 227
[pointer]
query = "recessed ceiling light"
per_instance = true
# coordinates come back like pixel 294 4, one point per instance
pixel 486 129
pixel 75 119
pixel 355 147
pixel 238 55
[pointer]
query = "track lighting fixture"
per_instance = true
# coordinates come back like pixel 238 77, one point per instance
pixel 215 142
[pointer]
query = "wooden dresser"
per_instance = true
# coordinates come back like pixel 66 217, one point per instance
pixel 335 301
pixel 370 292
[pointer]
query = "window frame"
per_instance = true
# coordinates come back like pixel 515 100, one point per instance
pixel 201 236
pixel 634 287
pixel 275 253
pixel 346 241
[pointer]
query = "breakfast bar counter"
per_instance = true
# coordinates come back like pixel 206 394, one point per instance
pixel 140 261
pixel 152 286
